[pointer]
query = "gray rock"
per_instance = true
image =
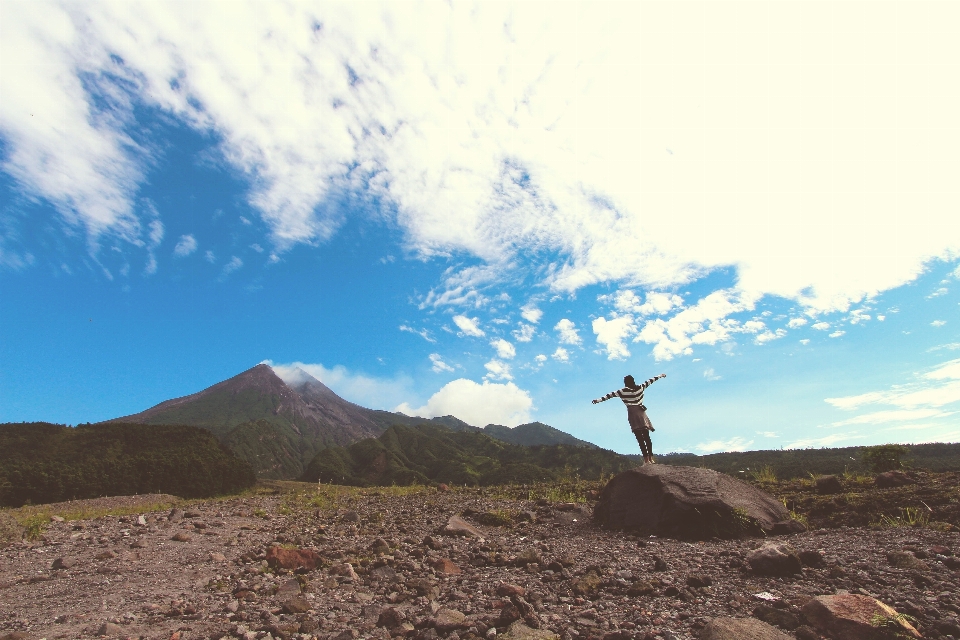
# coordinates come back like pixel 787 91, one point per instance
pixel 777 617
pixel 110 629
pixel 520 631
pixel 811 558
pixel 688 502
pixel 906 560
pixel 892 479
pixel 447 620
pixel 457 526
pixel 741 629
pixel 775 560
pixel 63 563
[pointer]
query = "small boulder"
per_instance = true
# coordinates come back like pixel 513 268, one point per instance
pixel 891 479
pixel 906 560
pixel 520 631
pixel 443 488
pixel 344 570
pixel 110 629
pixel 457 526
pixel 380 546
pixel 741 629
pixel 855 617
pixel 811 558
pixel 445 565
pixel 63 563
pixel 391 618
pixel 777 617
pixel 181 537
pixel 827 485
pixel 350 516
pixel 281 558
pixel 447 620
pixel 775 560
pixel 509 590
pixel 295 605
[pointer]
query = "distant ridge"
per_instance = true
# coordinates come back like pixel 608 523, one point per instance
pixel 279 426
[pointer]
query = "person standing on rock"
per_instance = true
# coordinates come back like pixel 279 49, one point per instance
pixel 632 396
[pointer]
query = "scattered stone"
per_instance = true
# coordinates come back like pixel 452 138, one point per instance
pixel 281 558
pixel 110 629
pixel 109 554
pixel 297 604
pixel 63 563
pixel 775 560
pixel 344 570
pixel 380 546
pixel 445 565
pixel 510 590
pixel 811 558
pixel 391 618
pixel 777 617
pixel 689 502
pixel 520 631
pixel 175 515
pixel 457 526
pixel 698 581
pixel 586 584
pixel 447 620
pixel 442 488
pixel 180 536
pixel 891 479
pixel 827 485
pixel 906 560
pixel 350 516
pixel 856 617
pixel 659 564
pixel 57 519
pixel 218 557
pixel 741 629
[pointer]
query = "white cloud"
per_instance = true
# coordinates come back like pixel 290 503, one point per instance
pixel 796 323
pixel 504 349
pixel 825 441
pixel 234 264
pixel 477 404
pixel 367 391
pixel 736 443
pixel 568 332
pixel 820 326
pixel 531 313
pixel 805 341
pixel 706 322
pixel 768 336
pixel 524 333
pixel 942 291
pixel 938 323
pixel 612 335
pixel 256 247
pixel 560 355
pixel 497 370
pixel 490 136
pixel 657 303
pixel 468 326
pixel 768 434
pixel 185 246
pixel 952 346
pixel 209 257
pixel 857 316
pixel 541 358
pixel 438 364
pixel 423 333
pixel 836 334
pixel 155 233
pixel 931 397
pixel 710 374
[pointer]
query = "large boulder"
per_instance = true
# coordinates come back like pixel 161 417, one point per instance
pixel 741 629
pixel 690 503
pixel 855 617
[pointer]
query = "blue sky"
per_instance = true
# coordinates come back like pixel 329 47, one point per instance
pixel 491 211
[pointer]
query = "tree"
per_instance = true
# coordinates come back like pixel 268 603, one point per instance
pixel 884 457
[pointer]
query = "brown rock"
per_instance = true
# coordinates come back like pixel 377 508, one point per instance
pixel 110 629
pixel 457 526
pixel 217 557
pixel 741 629
pixel 777 617
pixel 289 588
pixel 827 485
pixel 106 555
pixel 520 631
pixel 380 546
pixel 280 558
pixel 391 618
pixel 443 488
pixel 447 620
pixel 344 570
pixel 586 584
pixel 509 590
pixel 906 560
pixel 892 479
pixel 688 502
pixel 297 604
pixel 775 560
pixel 855 617
pixel 63 563
pixel 181 537
pixel 445 565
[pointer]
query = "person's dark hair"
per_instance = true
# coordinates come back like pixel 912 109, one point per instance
pixel 628 381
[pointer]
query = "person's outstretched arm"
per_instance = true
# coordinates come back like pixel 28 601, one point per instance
pixel 652 380
pixel 612 394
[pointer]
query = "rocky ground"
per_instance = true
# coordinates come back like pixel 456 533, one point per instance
pixel 390 563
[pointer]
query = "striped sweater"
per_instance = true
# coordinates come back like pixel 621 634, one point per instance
pixel 630 397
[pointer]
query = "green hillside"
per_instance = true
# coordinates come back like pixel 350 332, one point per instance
pixel 533 433
pixel 431 454
pixel 42 462
pixel 799 463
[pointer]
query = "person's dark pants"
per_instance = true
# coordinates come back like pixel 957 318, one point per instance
pixel 643 439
